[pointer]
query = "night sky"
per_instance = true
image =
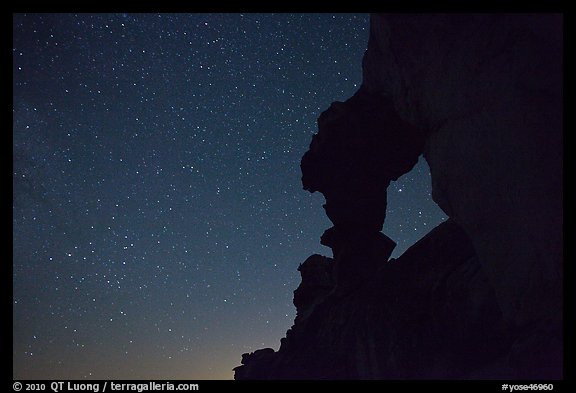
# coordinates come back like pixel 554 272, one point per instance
pixel 158 214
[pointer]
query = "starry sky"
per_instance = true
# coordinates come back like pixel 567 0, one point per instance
pixel 158 214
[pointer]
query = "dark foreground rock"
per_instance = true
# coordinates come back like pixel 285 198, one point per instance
pixel 429 314
pixel 481 296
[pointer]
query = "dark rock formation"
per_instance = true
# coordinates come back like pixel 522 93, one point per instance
pixel 361 145
pixel 429 314
pixel 480 296
pixel 487 91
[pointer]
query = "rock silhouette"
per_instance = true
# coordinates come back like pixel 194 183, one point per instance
pixel 420 316
pixel 362 145
pixel 480 296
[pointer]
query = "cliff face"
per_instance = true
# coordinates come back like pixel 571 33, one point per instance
pixel 481 295
pixel 487 91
